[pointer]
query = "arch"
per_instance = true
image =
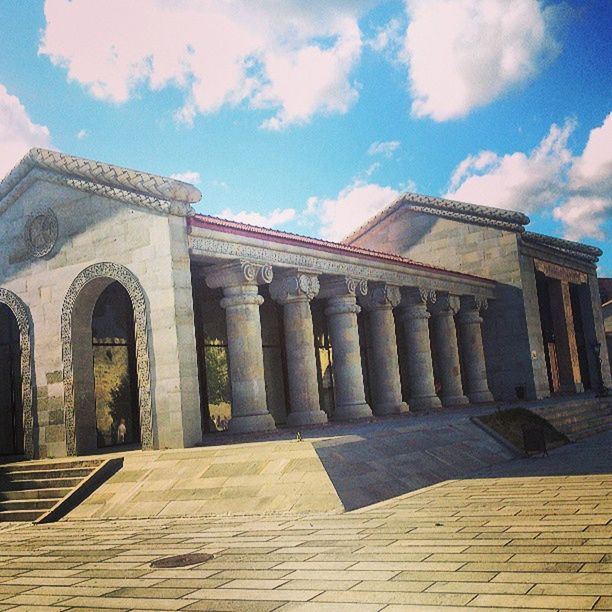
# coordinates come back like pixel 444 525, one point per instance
pixel 88 286
pixel 21 314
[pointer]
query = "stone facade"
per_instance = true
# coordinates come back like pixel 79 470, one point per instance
pixel 467 318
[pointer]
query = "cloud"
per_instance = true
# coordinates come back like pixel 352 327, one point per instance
pixel 384 148
pixel 292 58
pixel 278 216
pixel 462 54
pixel 188 177
pixel 516 181
pixel 354 205
pixel 577 190
pixel 81 134
pixel 17 132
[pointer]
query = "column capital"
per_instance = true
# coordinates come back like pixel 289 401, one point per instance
pixel 238 272
pixel 417 296
pixel 471 305
pixel 341 286
pixel 294 286
pixel 381 296
pixel 446 305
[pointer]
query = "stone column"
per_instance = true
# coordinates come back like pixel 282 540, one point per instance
pixel 341 313
pixel 294 290
pixel 380 301
pixel 241 302
pixel 414 317
pixel 446 351
pixel 469 333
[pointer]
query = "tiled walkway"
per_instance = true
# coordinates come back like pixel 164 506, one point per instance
pixel 496 544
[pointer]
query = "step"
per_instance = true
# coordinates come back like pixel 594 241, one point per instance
pixel 20 515
pixel 43 474
pixel 47 483
pixel 27 504
pixel 49 465
pixel 46 493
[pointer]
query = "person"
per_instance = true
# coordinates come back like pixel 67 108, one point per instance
pixel 121 430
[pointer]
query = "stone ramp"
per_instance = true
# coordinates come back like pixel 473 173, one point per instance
pixel 378 463
pixel 260 477
pixel 352 466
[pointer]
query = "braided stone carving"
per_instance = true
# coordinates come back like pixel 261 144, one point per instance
pixel 20 312
pixel 136 293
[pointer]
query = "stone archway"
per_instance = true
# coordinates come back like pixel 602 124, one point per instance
pixel 76 324
pixel 20 312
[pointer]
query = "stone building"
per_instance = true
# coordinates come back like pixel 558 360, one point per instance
pixel 126 318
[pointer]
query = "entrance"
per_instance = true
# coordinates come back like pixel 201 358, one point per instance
pixel 11 409
pixel 114 369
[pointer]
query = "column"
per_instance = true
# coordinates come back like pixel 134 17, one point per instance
pixel 565 336
pixel 380 301
pixel 414 317
pixel 294 290
pixel 341 313
pixel 446 351
pixel 469 333
pixel 241 302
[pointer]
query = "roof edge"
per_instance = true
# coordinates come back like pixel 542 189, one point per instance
pixel 584 251
pixel 109 175
pixel 239 228
pixel 509 220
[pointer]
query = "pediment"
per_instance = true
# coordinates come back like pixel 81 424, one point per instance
pixel 162 194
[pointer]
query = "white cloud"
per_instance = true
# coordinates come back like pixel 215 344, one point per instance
pixel 188 177
pixel 516 181
pixel 384 148
pixel 353 206
pixel 293 58
pixel 81 134
pixel 17 132
pixel 278 216
pixel 576 189
pixel 462 54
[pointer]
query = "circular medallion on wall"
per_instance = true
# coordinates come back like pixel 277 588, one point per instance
pixel 41 232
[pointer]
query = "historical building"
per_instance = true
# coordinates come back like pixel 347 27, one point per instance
pixel 126 318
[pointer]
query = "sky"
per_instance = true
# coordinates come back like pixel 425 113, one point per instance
pixel 311 116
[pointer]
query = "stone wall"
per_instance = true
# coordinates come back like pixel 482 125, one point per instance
pixel 153 247
pixel 487 252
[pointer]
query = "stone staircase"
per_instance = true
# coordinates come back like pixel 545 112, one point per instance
pixel 578 419
pixel 30 490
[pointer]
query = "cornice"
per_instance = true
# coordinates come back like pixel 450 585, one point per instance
pixel 150 191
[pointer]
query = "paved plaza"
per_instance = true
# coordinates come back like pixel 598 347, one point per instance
pixel 528 542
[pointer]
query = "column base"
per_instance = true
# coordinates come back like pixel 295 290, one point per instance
pixel 425 403
pixel 352 411
pixel 306 417
pixel 481 397
pixel 252 422
pixel 454 400
pixel 385 409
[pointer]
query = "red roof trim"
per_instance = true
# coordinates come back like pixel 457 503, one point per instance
pixel 243 229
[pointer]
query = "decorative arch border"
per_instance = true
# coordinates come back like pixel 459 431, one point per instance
pixel 130 283
pixel 21 314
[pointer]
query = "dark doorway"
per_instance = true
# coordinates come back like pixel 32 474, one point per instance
pixel 324 358
pixel 11 410
pixel 114 369
pixel 548 334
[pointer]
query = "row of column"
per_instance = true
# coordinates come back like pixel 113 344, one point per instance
pixel 345 296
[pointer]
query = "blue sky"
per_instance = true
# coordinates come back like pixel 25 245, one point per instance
pixel 310 117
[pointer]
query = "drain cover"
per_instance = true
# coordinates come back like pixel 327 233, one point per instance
pixel 182 560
